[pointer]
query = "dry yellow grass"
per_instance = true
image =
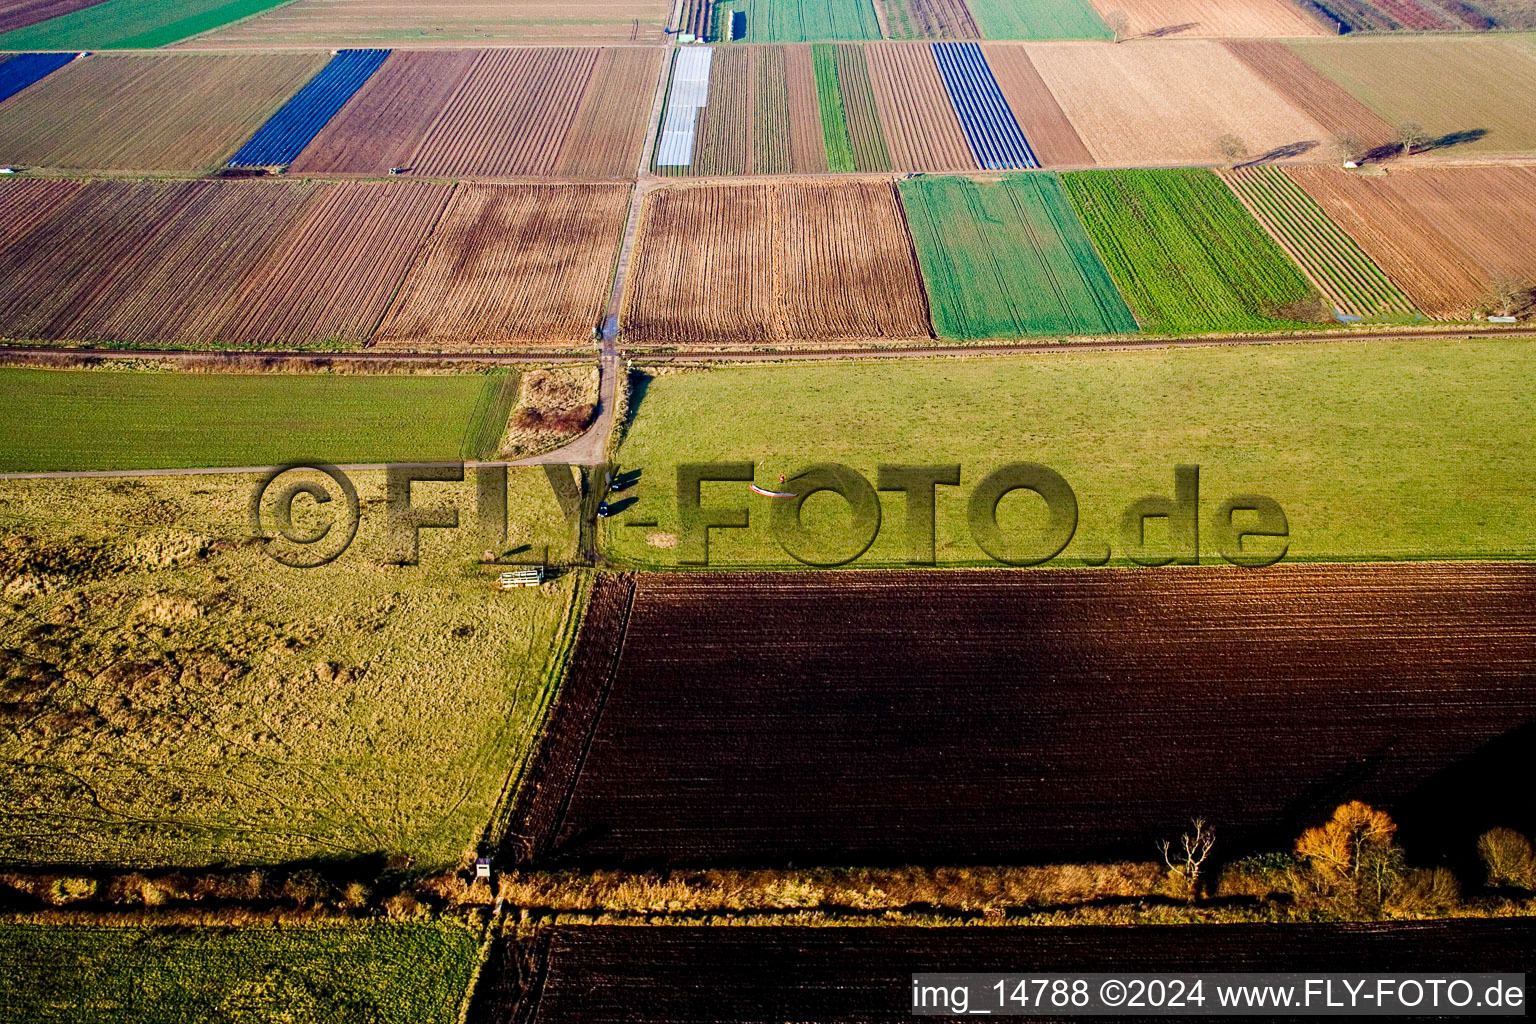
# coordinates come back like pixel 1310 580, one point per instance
pixel 173 696
pixel 1168 102
pixel 553 406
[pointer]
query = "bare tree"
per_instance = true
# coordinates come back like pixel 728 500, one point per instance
pixel 1411 136
pixel 1187 859
pixel 1119 23
pixel 1232 148
pixel 1509 296
pixel 1350 146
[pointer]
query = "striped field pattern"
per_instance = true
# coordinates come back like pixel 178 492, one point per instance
pixel 24 69
pixel 990 127
pixel 1344 274
pixel 279 142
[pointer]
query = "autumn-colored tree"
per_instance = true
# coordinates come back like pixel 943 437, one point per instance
pixel 1509 858
pixel 1353 853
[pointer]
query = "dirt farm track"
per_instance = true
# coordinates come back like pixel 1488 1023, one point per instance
pixel 636 975
pixel 1033 717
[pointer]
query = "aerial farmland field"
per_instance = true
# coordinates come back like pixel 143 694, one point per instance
pixel 1142 104
pixel 16 14
pixel 1428 15
pixel 131 24
pixel 1242 18
pixel 1447 237
pixel 149 112
pixel 773 263
pixel 793 21
pixel 1048 19
pixel 1443 482
pixel 1052 138
pixel 929 19
pixel 392 973
pixel 1319 98
pixel 1473 95
pixel 511 265
pixel 1346 276
pixel 1186 254
pixel 921 128
pixel 1009 259
pixel 465 23
pixel 765 719
pixel 245 714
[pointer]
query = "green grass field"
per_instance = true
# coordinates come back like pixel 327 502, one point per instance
pixel 1038 19
pixel 1008 258
pixel 1187 256
pixel 132 24
pixel 100 419
pixel 378 974
pixel 1407 450
pixel 235 710
pixel 799 21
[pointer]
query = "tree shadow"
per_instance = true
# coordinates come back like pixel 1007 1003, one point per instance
pixel 1169 30
pixel 1289 151
pixel 1393 150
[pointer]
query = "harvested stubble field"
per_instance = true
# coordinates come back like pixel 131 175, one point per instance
pixel 773 262
pixel 512 264
pixel 156 263
pixel 1039 19
pixel 1170 102
pixel 928 19
pixel 172 696
pixel 1009 258
pixel 25 204
pixel 628 975
pixel 1322 99
pixel 462 23
pixel 331 280
pixel 1446 236
pixel 149 113
pixel 1240 18
pixel 1187 256
pixel 510 115
pixel 381 126
pixel 1346 276
pixel 1473 95
pixel 1049 716
pixel 1367 463
pixel 1051 136
pixel 921 128
pixel 16 14
pixel 383 973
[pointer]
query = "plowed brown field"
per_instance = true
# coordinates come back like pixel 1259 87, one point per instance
pixel 776 262
pixel 384 122
pixel 25 204
pixel 461 23
pixel 1443 235
pixel 929 19
pixel 16 14
pixel 333 277
pixel 725 133
pixel 609 131
pixel 136 262
pixel 1169 102
pixel 149 113
pixel 510 116
pixel 1311 93
pixel 922 132
pixel 1044 716
pixel 513 265
pixel 1240 18
pixel 808 146
pixel 1052 137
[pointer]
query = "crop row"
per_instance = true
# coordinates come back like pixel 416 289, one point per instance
pixel 284 136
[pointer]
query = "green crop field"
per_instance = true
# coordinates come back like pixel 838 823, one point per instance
pixel 829 98
pixel 378 973
pixel 99 419
pixel 862 117
pixel 132 24
pixel 192 701
pixel 798 21
pixel 1186 255
pixel 1008 258
pixel 1349 279
pixel 1401 450
pixel 1039 19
